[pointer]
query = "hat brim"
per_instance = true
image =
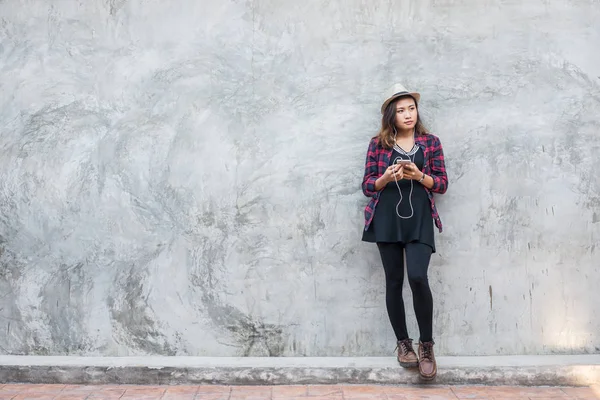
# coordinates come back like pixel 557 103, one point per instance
pixel 414 95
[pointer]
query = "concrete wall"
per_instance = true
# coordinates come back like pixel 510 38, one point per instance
pixel 183 177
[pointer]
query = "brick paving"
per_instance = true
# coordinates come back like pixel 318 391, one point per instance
pixel 312 392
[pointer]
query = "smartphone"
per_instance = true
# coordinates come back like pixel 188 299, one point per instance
pixel 404 163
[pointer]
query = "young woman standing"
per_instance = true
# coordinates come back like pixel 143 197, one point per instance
pixel 404 167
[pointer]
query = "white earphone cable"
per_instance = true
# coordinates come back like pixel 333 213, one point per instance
pixel 412 153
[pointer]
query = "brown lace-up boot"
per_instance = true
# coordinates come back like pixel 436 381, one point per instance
pixel 427 365
pixel 406 354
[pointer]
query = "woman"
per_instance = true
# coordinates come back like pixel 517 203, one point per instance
pixel 404 167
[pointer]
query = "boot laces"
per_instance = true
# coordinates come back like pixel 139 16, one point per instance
pixel 404 346
pixel 427 349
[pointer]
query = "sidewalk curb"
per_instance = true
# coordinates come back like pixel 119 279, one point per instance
pixel 583 370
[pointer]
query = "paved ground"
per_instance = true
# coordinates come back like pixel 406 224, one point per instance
pixel 312 392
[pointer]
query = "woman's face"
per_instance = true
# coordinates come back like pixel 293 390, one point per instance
pixel 406 113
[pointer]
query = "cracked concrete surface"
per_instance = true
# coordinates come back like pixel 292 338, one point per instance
pixel 184 178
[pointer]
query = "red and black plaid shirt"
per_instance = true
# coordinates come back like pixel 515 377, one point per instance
pixel 378 159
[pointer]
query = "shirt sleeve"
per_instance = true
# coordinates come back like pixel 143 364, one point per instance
pixel 438 168
pixel 371 170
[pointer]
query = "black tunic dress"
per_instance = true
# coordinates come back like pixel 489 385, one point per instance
pixel 387 226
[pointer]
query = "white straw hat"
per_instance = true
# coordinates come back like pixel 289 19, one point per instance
pixel 397 90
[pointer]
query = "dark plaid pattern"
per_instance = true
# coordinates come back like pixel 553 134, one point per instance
pixel 378 159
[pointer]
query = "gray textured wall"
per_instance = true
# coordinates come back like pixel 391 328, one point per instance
pixel 183 177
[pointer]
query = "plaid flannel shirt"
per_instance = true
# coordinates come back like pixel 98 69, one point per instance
pixel 378 159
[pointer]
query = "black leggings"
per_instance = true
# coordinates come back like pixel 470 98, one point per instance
pixel 417 260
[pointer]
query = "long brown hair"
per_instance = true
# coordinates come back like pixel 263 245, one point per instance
pixel 388 123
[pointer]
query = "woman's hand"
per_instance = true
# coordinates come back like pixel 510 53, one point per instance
pixel 392 173
pixel 411 171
